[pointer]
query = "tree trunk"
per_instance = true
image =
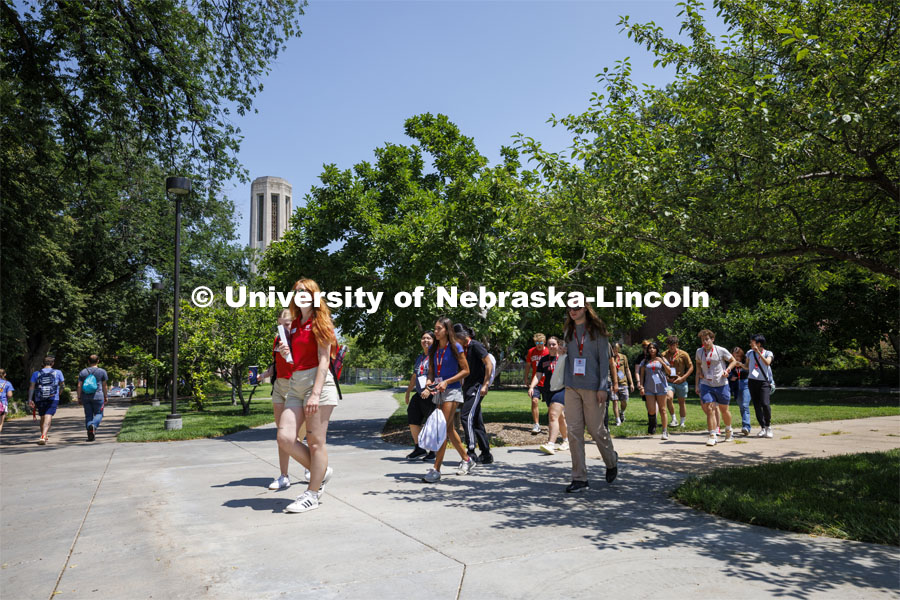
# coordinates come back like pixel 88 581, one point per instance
pixel 36 348
pixel 237 385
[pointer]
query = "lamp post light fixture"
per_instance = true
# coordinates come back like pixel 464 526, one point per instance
pixel 178 187
pixel 157 287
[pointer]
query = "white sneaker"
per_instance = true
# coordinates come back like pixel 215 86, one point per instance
pixel 711 441
pixel 769 433
pixel 681 423
pixel 564 447
pixel 328 473
pixel 729 436
pixel 718 431
pixel 536 428
pixel 674 422
pixel 548 448
pixel 665 434
pixel 432 476
pixel 618 422
pixel 465 467
pixel 762 432
pixel 282 482
pixel 305 476
pixel 306 501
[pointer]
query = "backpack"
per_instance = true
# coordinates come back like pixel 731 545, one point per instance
pixel 336 367
pixel 46 385
pixel 434 433
pixel 90 384
pixel 493 369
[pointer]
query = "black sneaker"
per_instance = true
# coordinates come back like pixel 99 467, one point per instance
pixel 577 486
pixel 416 453
pixel 90 431
pixel 486 458
pixel 613 471
pixel 430 456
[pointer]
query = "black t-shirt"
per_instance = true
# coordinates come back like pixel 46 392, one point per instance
pixel 475 355
pixel 546 366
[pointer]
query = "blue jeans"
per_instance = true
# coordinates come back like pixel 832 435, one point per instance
pixel 741 391
pixel 93 411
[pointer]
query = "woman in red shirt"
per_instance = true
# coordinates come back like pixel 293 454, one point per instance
pixel 312 394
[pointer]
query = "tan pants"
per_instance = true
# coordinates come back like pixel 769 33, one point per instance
pixel 583 411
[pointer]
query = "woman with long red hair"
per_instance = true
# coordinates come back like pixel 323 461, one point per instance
pixel 312 394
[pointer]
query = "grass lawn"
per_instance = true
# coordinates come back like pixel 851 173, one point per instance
pixel 144 423
pixel 788 406
pixel 852 497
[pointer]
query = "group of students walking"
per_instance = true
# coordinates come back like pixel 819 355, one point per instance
pixel 578 376
pixel 719 375
pixel 572 376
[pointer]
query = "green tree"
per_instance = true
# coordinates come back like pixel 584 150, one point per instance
pixel 774 154
pixel 100 101
pixel 394 225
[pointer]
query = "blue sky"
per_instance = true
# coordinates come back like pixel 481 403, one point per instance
pixel 361 68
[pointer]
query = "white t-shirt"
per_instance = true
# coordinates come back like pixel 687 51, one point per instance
pixel 712 365
pixel 758 369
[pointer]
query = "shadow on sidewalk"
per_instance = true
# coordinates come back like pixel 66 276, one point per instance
pixel 635 512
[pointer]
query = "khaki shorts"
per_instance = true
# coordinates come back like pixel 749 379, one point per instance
pixel 301 386
pixel 280 390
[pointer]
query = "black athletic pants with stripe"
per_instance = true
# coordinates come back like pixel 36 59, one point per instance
pixel 472 421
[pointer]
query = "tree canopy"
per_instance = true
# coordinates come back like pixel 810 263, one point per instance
pixel 100 102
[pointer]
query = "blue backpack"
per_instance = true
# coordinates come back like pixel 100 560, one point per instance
pixel 90 384
pixel 47 385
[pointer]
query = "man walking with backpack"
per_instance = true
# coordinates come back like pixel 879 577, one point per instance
pixel 43 394
pixel 92 394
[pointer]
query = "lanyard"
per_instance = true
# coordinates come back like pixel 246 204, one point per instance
pixel 553 364
pixel 708 357
pixel 422 365
pixel 439 362
pixel 581 343
pixel 618 362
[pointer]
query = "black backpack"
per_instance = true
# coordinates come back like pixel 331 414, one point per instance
pixel 46 386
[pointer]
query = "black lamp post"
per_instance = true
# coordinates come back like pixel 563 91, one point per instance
pixel 178 187
pixel 157 287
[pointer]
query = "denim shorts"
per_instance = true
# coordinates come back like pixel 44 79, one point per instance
pixel 679 389
pixel 721 394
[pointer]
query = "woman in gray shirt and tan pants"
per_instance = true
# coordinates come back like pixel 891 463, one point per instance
pixel 586 377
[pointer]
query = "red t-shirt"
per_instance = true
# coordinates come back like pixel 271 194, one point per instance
pixel 304 347
pixel 534 357
pixel 283 368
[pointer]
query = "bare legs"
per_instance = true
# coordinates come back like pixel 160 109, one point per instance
pixel 557 420
pixel 449 410
pixel 313 455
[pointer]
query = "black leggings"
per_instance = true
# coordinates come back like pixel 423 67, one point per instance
pixel 759 394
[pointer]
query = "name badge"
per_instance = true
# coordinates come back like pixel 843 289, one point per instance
pixel 755 373
pixel 438 380
pixel 580 366
pixel 672 371
pixel 422 381
pixel 621 374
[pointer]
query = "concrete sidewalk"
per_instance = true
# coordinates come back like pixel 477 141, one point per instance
pixel 194 519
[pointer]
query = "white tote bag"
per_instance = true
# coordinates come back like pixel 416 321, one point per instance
pixel 434 434
pixel 557 380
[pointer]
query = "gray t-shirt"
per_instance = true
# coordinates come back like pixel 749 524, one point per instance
pixel 99 375
pixel 712 365
pixel 763 371
pixel 596 355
